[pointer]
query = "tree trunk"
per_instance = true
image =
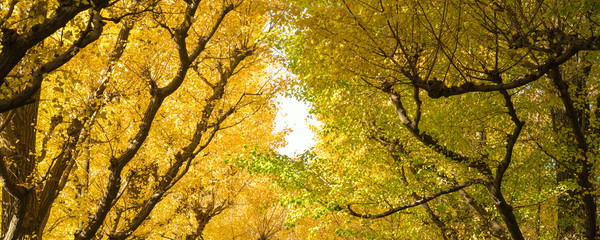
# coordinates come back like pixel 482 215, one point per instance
pixel 18 147
pixel 571 122
pixel 489 222
pixel 568 208
pixel 20 216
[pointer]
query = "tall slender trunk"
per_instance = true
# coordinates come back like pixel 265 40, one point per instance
pixel 580 202
pixel 568 207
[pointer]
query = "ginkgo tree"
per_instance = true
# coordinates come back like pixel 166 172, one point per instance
pixel 483 110
pixel 109 106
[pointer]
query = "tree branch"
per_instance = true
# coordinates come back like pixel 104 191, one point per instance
pixel 15 45
pixel 415 203
pixel 188 153
pixel 512 139
pixel 203 40
pixel 24 97
pixel 577 45
pixel 563 90
pixel 64 161
pixel 431 142
pixel 9 185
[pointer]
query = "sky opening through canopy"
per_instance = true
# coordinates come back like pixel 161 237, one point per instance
pixel 294 115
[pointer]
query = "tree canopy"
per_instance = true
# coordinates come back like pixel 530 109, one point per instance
pixel 444 119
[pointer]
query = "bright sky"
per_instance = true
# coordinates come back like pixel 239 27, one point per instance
pixel 293 114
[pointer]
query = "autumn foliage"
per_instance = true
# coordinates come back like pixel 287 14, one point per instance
pixel 154 119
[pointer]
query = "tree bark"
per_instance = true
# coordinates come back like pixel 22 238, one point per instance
pixel 16 46
pixel 493 184
pixel 568 208
pixel 18 148
pixel 489 222
pixel 580 205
